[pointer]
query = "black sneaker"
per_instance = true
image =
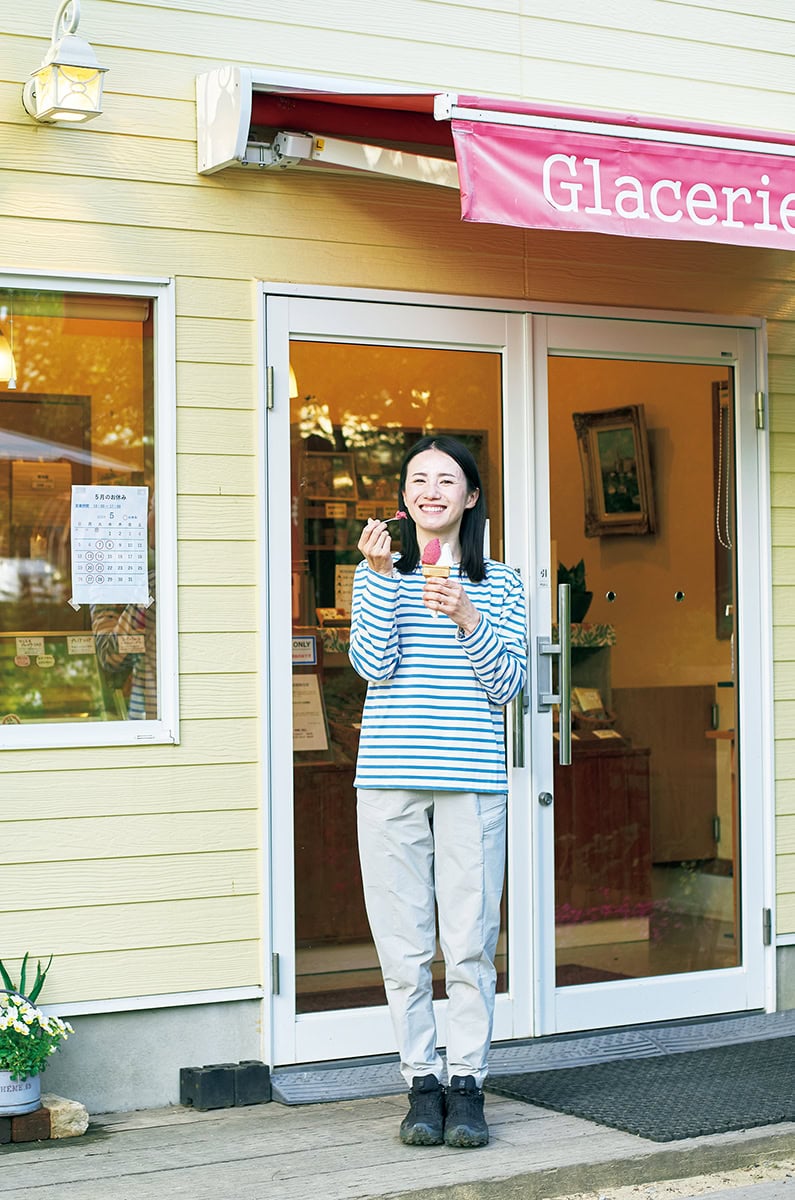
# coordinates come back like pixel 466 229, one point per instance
pixel 423 1124
pixel 465 1125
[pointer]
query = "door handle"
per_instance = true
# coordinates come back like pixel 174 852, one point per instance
pixel 519 709
pixel 564 672
pixel 547 650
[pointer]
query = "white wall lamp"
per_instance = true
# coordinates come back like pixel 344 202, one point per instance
pixel 68 84
pixel 8 368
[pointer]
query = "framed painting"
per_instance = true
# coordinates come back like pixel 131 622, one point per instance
pixel 616 472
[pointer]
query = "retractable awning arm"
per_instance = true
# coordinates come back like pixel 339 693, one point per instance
pixel 307 149
pixel 233 105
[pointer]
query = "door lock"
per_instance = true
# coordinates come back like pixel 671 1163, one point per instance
pixel 545 799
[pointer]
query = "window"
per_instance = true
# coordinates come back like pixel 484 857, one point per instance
pixel 87 637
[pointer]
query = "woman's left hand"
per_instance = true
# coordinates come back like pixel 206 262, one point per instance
pixel 447 596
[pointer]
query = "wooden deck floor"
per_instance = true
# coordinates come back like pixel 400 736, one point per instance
pixel 350 1151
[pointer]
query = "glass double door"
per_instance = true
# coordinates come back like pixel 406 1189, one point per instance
pixel 612 470
pixel 652 511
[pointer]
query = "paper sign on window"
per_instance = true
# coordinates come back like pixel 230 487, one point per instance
pixel 343 586
pixel 309 721
pixel 40 493
pixel 109 545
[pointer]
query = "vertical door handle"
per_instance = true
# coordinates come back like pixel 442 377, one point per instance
pixel 564 672
pixel 561 650
pixel 518 730
pixel 521 707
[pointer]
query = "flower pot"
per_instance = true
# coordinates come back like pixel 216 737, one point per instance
pixel 19 1096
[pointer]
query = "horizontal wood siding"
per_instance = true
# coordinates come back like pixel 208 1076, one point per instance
pixel 139 866
pixel 782 486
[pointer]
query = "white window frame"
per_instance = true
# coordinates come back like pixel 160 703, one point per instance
pixel 47 735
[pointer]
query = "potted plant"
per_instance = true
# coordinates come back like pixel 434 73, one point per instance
pixel 27 1039
pixel 580 597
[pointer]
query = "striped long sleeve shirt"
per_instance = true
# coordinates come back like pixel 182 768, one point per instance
pixel 433 714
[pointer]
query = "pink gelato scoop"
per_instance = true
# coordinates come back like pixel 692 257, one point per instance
pixel 432 552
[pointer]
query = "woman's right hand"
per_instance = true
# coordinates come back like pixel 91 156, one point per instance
pixel 376 546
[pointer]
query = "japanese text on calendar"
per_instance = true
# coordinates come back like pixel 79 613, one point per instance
pixel 110 545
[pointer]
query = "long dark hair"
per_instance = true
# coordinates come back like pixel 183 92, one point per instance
pixel 473 522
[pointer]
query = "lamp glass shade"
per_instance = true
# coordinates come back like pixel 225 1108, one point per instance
pixel 8 368
pixel 68 93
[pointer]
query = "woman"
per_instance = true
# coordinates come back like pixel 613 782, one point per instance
pixel 431 778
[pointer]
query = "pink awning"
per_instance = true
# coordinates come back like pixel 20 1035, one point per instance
pixel 537 166
pixel 552 168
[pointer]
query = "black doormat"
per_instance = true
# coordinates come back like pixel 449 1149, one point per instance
pixel 674 1096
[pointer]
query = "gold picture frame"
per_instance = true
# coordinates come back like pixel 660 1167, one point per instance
pixel 616 471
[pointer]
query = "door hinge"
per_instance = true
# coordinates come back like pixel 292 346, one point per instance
pixel 269 387
pixel 275 981
pixel 759 405
pixel 767 926
pixel 716 829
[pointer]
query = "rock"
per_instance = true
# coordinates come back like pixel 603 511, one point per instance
pixel 68 1118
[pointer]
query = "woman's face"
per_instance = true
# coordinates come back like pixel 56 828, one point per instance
pixel 436 495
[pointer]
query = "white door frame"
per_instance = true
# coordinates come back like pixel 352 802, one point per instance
pixel 312 1037
pixel 747 986
pixel 529 1007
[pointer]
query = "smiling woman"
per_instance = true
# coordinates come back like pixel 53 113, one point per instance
pixel 437 494
pixel 431 774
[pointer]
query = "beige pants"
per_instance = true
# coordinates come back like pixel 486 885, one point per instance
pixel 419 849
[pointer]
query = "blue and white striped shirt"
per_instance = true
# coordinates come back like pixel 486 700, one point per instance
pixel 433 714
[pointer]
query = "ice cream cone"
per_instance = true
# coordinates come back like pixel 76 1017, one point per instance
pixel 435 571
pixel 436 562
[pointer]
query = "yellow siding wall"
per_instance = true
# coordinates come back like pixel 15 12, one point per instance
pixel 140 866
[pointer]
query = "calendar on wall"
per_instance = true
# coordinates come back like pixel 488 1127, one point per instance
pixel 110 545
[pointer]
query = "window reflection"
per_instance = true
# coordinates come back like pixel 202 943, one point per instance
pixel 355 411
pixel 79 414
pixel 647 816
